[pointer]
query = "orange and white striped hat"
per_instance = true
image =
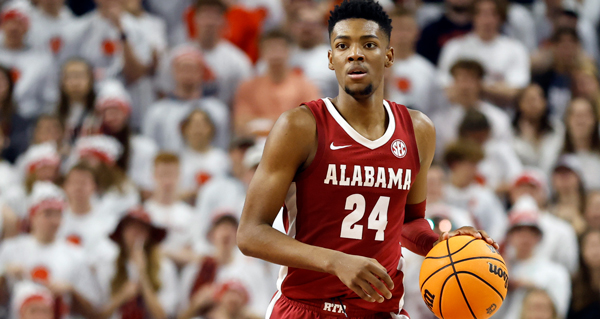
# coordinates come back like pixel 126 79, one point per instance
pixel 45 195
pixel 103 147
pixel 113 94
pixel 40 155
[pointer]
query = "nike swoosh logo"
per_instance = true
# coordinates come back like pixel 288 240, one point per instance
pixel 333 147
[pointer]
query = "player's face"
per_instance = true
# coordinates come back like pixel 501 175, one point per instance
pixel 166 176
pixel 359 54
pixel 79 185
pixel 591 250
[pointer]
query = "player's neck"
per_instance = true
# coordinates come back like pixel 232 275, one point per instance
pixel 366 116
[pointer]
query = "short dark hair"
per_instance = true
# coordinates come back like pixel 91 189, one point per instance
pixel 210 3
pixel 463 150
pixel 468 65
pixel 361 9
pixel 473 121
pixel 560 32
pixel 276 34
pixel 501 8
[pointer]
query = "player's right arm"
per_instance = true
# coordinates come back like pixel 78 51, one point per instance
pixel 290 147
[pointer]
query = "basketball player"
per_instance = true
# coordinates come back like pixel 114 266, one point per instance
pixel 357 166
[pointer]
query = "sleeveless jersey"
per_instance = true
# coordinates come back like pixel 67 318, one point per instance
pixel 351 198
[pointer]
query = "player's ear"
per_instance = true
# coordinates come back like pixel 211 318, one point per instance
pixel 330 58
pixel 389 57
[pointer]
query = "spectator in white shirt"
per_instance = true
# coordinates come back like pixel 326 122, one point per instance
pixel 560 247
pixel 167 211
pixel 32 301
pixel 140 281
pixel 33 72
pixel 83 224
pixel 464 192
pixel 582 140
pixel 413 80
pixel 568 193
pixel 229 65
pixel 537 134
pixel 537 304
pixel 113 110
pixel 307 28
pixel 47 260
pixel 55 30
pixel 39 163
pixel 155 31
pixel 500 165
pixel 116 194
pixel 528 270
pixel 200 161
pixel 505 60
pixel 163 122
pixel 467 89
pixel 77 96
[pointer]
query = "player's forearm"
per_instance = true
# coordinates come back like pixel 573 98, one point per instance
pixel 264 242
pixel 418 237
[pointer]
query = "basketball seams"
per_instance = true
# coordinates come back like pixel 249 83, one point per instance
pixel 458 262
pixel 449 254
pixel 456 276
pixel 483 280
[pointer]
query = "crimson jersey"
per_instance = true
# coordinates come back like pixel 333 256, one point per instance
pixel 351 198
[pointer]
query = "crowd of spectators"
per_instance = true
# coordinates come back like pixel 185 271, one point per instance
pixel 131 129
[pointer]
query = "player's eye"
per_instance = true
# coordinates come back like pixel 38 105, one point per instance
pixel 370 45
pixel 341 46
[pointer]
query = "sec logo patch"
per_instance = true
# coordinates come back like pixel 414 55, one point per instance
pixel 399 148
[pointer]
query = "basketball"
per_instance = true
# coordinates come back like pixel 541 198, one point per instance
pixel 462 278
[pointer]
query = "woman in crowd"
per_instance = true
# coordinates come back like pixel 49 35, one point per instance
pixel 77 96
pixel 537 304
pixel 536 133
pixel 585 303
pixel 586 83
pixel 116 193
pixel 569 198
pixel 14 126
pixel 582 140
pixel 200 161
pixel 140 282
pixel 113 110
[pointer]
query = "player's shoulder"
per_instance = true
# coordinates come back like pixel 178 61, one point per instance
pixel 300 119
pixel 422 124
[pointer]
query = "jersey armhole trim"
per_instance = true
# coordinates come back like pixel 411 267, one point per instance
pixel 320 149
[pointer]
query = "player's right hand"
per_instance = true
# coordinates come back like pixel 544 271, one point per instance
pixel 361 274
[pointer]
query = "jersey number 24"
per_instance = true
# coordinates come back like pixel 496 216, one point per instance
pixel 377 218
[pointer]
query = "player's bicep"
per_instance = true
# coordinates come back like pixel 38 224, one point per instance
pixel 288 146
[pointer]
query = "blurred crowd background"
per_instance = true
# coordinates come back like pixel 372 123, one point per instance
pixel 130 131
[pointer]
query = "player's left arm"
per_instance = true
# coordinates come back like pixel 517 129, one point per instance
pixel 417 235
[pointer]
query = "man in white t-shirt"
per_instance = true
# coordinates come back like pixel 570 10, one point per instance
pixel 55 30
pixel 307 28
pixel 468 76
pixel 528 270
pixel 561 246
pixel 164 118
pixel 505 60
pixel 413 79
pixel 463 190
pixel 47 260
pixel 228 64
pixel 170 213
pixel 34 75
pixel 83 224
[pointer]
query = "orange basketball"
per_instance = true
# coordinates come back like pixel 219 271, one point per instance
pixel 463 278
